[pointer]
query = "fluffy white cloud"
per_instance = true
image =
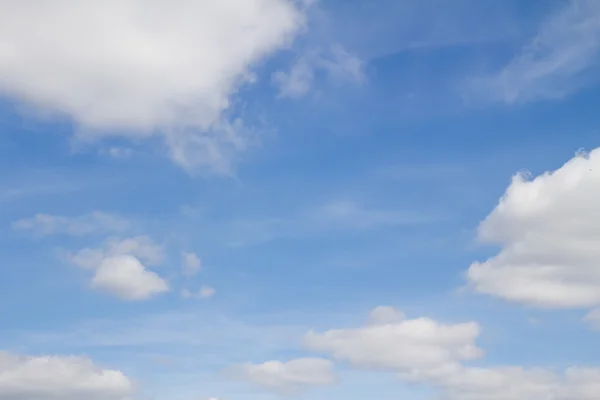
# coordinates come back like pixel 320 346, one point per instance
pixel 204 292
pixel 416 349
pixel 126 277
pixel 191 264
pixel 426 351
pixel 549 228
pixel 92 223
pixel 59 378
pixel 139 68
pixel 118 269
pixel 550 65
pixel 286 376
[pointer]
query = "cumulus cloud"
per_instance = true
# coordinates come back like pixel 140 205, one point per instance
pixel 555 61
pixel 288 376
pixel 126 277
pixel 191 264
pixel 87 224
pixel 415 349
pixel 138 69
pixel 59 378
pixel 549 228
pixel 118 267
pixel 426 351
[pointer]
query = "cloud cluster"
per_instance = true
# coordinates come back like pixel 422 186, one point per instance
pixel 424 350
pixel 137 69
pixel 59 378
pixel 548 229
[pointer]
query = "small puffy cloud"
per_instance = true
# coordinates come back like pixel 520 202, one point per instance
pixel 385 315
pixel 59 378
pixel 288 376
pixel 554 62
pixel 138 69
pixel 204 292
pixel 414 348
pixel 593 318
pixel 93 223
pixel 191 264
pixel 118 267
pixel 297 82
pixel 548 229
pixel 125 277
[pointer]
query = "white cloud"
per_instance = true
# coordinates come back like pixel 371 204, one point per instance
pixel 384 315
pixel 549 228
pixel 516 383
pixel 87 224
pixel 191 264
pixel 118 269
pixel 125 277
pixel 59 378
pixel 133 68
pixel 593 318
pixel 338 64
pixel 415 349
pixel 297 82
pixel 553 63
pixel 204 292
pixel 426 351
pixel 286 376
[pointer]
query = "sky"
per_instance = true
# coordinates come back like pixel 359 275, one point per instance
pixel 299 199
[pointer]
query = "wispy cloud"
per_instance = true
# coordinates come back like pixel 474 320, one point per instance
pixel 336 216
pixel 555 62
pixel 14 193
pixel 337 64
pixel 222 339
pixel 92 223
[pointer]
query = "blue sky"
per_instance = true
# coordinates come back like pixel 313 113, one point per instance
pixel 299 199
